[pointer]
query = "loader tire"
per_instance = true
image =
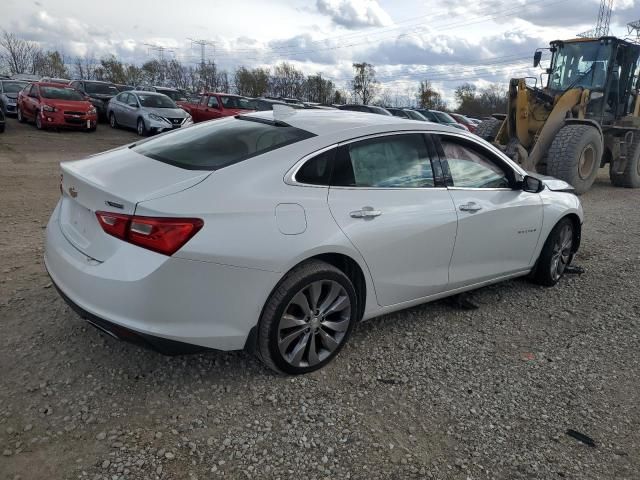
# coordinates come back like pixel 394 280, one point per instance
pixel 575 155
pixel 630 176
pixel 488 129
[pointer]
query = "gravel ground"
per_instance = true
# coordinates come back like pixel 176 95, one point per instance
pixel 430 392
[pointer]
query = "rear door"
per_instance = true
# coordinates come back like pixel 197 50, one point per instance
pixel 498 225
pixel 388 198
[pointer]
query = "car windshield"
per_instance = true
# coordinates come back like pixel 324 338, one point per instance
pixel 415 115
pixel 60 93
pixel 100 89
pixel 236 102
pixel 13 87
pixel 379 110
pixel 580 64
pixel 174 95
pixel 211 146
pixel 156 101
pixel 443 117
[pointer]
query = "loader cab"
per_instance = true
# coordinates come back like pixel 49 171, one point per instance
pixel 606 66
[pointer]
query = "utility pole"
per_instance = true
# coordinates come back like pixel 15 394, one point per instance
pixel 203 55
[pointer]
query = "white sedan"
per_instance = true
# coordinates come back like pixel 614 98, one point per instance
pixel 278 231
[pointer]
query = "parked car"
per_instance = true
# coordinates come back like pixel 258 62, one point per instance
pixel 217 105
pixel 365 109
pixel 263 104
pixel 2 121
pixel 443 118
pixel 461 119
pixel 406 113
pixel 9 90
pixel 98 93
pixel 62 81
pixel 124 88
pixel 147 112
pixel 55 105
pixel 25 77
pixel 212 237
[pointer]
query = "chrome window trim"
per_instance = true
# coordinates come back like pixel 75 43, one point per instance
pixel 480 189
pixel 290 176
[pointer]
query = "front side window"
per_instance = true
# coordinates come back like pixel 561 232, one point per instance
pixel 393 161
pixel 472 168
pixel 213 102
pixel 211 146
pixel 101 89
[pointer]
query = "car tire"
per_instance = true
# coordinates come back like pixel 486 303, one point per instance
pixel 112 120
pixel 142 128
pixel 2 128
pixel 630 176
pixel 575 155
pixel 556 254
pixel 38 122
pixel 20 115
pixel 307 319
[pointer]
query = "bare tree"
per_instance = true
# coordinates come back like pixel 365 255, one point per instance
pixel 286 81
pixel 364 83
pixel 19 54
pixel 84 67
pixel 253 83
pixel 428 97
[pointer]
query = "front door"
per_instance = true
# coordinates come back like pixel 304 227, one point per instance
pixel 384 197
pixel 498 226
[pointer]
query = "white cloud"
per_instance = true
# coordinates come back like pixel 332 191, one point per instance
pixel 354 13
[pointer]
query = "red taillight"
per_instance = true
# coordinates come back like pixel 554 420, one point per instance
pixel 160 234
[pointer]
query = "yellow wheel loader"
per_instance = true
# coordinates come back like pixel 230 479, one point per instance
pixel 584 118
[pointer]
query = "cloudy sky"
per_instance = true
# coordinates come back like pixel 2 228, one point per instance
pixel 407 40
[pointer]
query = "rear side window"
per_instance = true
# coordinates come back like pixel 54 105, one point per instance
pixel 317 171
pixel 392 161
pixel 211 146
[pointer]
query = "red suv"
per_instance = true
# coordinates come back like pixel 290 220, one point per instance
pixel 55 105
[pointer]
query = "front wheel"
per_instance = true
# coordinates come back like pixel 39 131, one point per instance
pixel 307 319
pixel 112 120
pixel 556 254
pixel 38 122
pixel 142 128
pixel 575 155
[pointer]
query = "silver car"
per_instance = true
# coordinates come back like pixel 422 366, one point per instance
pixel 9 90
pixel 147 112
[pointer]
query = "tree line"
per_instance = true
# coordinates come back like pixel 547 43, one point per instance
pixel 19 56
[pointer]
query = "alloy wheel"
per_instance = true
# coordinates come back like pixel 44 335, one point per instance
pixel 140 127
pixel 314 323
pixel 561 253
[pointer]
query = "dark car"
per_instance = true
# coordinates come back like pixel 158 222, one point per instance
pixel 124 88
pixel 9 90
pixel 365 108
pixel 437 116
pixel 1 122
pixel 174 94
pixel 99 93
pixel 262 104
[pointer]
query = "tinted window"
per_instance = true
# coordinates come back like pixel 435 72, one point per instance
pixel 470 167
pixel 100 88
pixel 443 117
pixel 399 161
pixel 213 102
pixel 399 113
pixel 415 115
pixel 236 102
pixel 210 146
pixel 317 171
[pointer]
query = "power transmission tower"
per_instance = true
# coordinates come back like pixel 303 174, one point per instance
pixel 160 51
pixel 203 45
pixel 602 24
pixel 634 29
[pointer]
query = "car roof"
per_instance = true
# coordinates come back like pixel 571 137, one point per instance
pixel 145 92
pixel 52 84
pixel 327 122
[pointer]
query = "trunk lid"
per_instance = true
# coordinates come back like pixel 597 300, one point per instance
pixel 115 181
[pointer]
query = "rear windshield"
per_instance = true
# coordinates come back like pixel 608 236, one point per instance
pixel 60 93
pixel 214 145
pixel 13 87
pixel 156 101
pixel 444 117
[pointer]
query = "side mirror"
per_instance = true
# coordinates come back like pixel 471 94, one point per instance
pixel 532 184
pixel 133 105
pixel 537 57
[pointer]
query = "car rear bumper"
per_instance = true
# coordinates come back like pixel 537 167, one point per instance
pixel 142 294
